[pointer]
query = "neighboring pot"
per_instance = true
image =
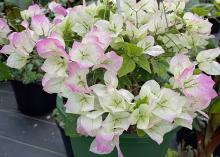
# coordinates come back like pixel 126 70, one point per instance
pixel 216 25
pixel 131 146
pixel 66 142
pixel 32 100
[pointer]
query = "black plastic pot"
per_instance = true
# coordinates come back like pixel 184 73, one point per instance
pixel 215 26
pixel 32 100
pixel 66 142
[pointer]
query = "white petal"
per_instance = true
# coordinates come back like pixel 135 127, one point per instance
pixel 185 120
pixel 134 117
pixel 143 123
pixel 79 29
pixel 90 125
pixel 146 43
pixel 211 68
pixel 110 79
pixel 99 89
pixel 56 66
pixel 17 61
pixel 94 114
pixel 7 49
pixel 78 103
pixel 169 105
pixel 113 102
pixel 155 51
pixel 54 85
pixel 206 55
pixel 117 121
pixel 127 95
pixel 157 132
pixel 150 88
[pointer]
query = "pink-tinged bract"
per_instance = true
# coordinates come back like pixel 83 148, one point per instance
pixel 40 25
pixel 60 10
pixel 77 80
pixel 23 42
pixel 57 8
pixel 51 47
pixel 198 88
pixel 34 10
pixel 86 55
pixel 4 28
pixel 7 49
pixel 111 62
pixel 179 63
pixel 103 39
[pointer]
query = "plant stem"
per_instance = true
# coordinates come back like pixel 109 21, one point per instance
pixel 118 6
pixel 106 6
pixel 84 3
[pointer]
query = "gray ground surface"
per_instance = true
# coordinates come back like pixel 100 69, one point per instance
pixel 24 136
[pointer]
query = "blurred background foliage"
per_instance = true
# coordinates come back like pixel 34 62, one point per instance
pixel 23 4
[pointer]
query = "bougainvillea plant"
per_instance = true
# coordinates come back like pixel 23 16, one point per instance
pixel 127 67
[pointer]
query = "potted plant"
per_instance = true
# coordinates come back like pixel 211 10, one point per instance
pixel 127 47
pixel 19 53
pixel 129 72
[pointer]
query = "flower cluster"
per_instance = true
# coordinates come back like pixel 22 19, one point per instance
pixel 144 65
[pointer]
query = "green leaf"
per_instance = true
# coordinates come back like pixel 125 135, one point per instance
pixel 95 76
pixel 5 73
pixel 70 125
pixel 213 43
pixel 124 82
pixel 217 6
pixel 21 4
pixel 132 50
pixel 117 43
pixel 104 13
pixel 201 11
pixel 127 67
pixel 14 13
pixel 140 133
pixel 215 121
pixel 3 41
pixel 217 14
pixel 14 19
pixel 1 7
pixel 215 106
pixel 70 120
pixel 160 67
pixel 60 107
pixel 44 2
pixel 172 153
pixel 143 62
pixel 191 4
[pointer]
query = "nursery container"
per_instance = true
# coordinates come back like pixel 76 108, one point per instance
pixel 131 146
pixel 66 142
pixel 216 25
pixel 32 100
